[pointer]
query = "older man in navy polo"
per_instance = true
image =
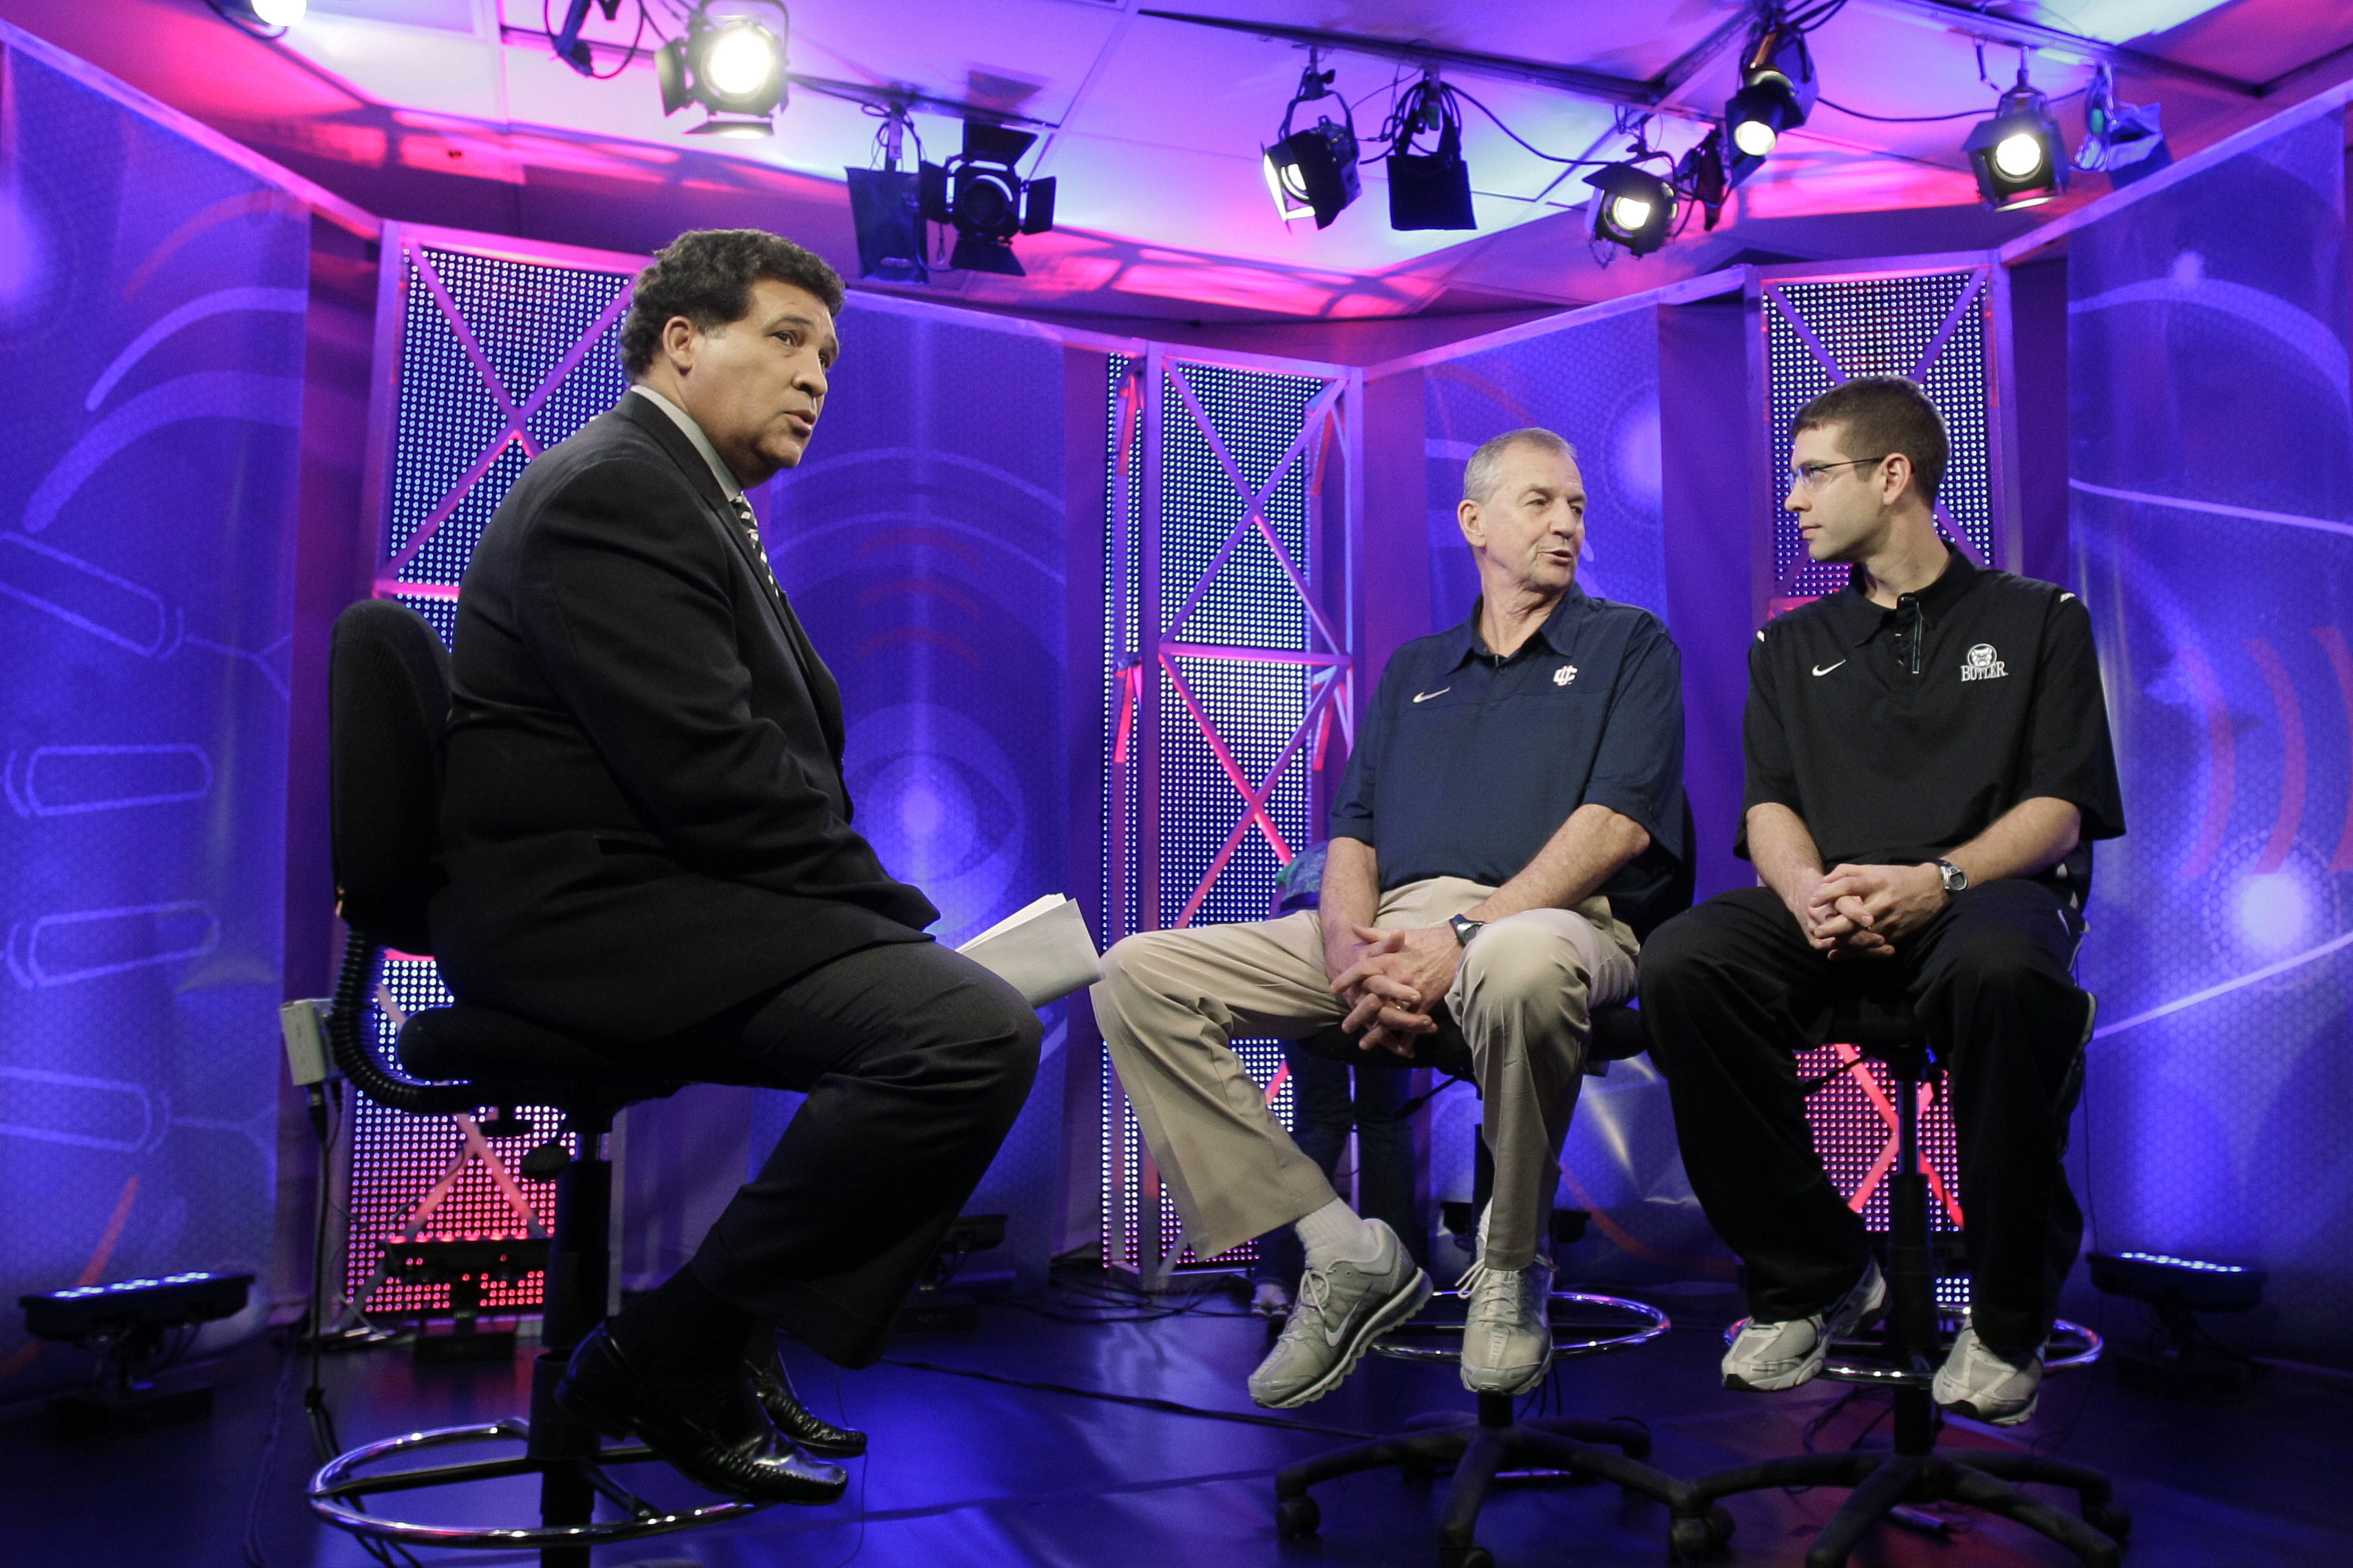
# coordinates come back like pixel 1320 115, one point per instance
pixel 1516 793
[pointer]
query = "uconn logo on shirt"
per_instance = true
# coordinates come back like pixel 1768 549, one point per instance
pixel 1983 664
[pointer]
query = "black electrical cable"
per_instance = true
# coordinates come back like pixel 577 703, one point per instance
pixel 253 1553
pixel 1930 119
pixel 1548 157
pixel 548 26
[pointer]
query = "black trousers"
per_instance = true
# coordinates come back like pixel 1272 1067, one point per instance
pixel 1732 992
pixel 915 1061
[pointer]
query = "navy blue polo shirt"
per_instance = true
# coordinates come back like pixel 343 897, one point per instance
pixel 1466 763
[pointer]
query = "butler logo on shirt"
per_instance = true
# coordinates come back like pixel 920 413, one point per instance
pixel 1983 664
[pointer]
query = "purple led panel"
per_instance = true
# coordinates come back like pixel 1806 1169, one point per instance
pixel 495 359
pixel 1935 327
pixel 1224 675
pixel 435 1177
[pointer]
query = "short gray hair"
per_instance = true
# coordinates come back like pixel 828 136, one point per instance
pixel 1479 476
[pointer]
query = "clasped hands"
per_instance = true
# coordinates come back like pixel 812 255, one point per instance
pixel 1392 981
pixel 1861 911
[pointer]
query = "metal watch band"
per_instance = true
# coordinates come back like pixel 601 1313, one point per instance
pixel 1952 876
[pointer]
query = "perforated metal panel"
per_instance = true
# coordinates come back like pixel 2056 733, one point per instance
pixel 497 360
pixel 1935 327
pixel 408 1180
pixel 1228 669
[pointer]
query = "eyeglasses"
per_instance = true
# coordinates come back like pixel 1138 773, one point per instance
pixel 1809 476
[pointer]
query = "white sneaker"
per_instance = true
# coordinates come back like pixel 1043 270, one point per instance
pixel 1340 1310
pixel 1979 1384
pixel 1506 1328
pixel 1766 1358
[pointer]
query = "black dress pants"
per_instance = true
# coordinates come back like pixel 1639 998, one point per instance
pixel 1732 991
pixel 915 1061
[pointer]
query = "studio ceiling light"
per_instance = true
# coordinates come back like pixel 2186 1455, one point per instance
pixel 2018 156
pixel 2124 141
pixel 1630 207
pixel 731 60
pixel 1312 172
pixel 980 193
pixel 886 205
pixel 1432 189
pixel 1776 88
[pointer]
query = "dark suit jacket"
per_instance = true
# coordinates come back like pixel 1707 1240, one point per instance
pixel 644 822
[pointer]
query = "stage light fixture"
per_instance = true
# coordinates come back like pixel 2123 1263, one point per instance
pixel 886 203
pixel 262 18
pixel 2018 156
pixel 731 61
pixel 979 192
pixel 1432 189
pixel 1312 172
pixel 2124 141
pixel 1777 89
pixel 1630 207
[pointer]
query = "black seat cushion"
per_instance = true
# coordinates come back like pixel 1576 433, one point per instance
pixel 512 1058
pixel 1869 1025
pixel 1619 1033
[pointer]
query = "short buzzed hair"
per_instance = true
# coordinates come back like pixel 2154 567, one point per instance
pixel 706 274
pixel 1880 415
pixel 1479 478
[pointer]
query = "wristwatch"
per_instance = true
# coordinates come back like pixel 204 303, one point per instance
pixel 1465 927
pixel 1952 876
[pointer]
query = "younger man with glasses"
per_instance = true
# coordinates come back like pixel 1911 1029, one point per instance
pixel 1933 735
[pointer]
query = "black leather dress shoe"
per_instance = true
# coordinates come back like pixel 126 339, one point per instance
pixel 795 1420
pixel 717 1438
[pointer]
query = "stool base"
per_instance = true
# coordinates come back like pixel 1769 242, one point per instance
pixel 1883 1480
pixel 1480 1447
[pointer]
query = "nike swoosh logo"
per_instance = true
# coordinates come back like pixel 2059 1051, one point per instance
pixel 1425 696
pixel 1826 669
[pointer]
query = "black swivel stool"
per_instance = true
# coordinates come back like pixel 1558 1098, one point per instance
pixel 1915 1470
pixel 1492 1441
pixel 388 708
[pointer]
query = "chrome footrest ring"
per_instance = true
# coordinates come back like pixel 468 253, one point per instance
pixel 334 1492
pixel 1440 1338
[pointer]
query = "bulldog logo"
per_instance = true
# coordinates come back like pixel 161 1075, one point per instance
pixel 1983 664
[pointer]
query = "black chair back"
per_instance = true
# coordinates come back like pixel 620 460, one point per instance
pixel 387 719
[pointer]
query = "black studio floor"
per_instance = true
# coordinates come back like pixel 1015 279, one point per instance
pixel 967 1470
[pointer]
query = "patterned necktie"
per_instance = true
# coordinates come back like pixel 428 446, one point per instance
pixel 752 531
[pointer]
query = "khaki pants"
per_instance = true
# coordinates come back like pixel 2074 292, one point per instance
pixel 1170 1000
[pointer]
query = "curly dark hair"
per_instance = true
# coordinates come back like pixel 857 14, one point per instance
pixel 1884 414
pixel 706 276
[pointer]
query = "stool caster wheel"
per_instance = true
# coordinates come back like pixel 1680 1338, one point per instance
pixel 1689 1538
pixel 1296 1517
pixel 1469 1557
pixel 2109 1520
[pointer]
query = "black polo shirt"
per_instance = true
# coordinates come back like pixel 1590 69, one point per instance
pixel 1898 747
pixel 1466 763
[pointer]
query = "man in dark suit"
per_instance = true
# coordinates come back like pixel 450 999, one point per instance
pixel 649 845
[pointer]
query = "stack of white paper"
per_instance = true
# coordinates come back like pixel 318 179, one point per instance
pixel 1044 951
